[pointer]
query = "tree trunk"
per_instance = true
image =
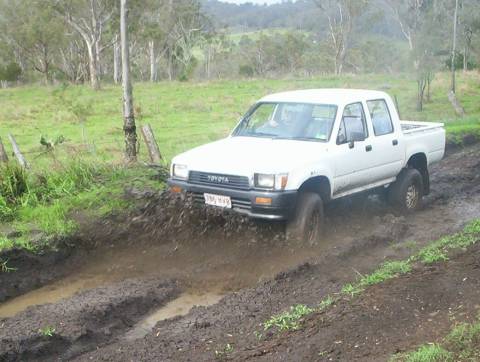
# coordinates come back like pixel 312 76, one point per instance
pixel 153 61
pixel 92 66
pixel 420 92
pixel 128 114
pixel 116 61
pixel 465 58
pixel 454 45
pixel 456 104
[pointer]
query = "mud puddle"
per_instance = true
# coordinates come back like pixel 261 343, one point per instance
pixel 176 308
pixel 52 293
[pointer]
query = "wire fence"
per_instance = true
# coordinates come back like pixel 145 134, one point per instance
pixel 100 150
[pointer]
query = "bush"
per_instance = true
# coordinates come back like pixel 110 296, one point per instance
pixel 11 72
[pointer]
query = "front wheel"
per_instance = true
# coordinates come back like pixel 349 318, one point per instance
pixel 307 223
pixel 407 191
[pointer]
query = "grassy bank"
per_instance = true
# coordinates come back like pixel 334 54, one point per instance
pixel 435 251
pixel 39 207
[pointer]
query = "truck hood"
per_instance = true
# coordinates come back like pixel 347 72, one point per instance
pixel 244 156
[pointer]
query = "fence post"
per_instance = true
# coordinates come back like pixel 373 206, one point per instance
pixel 151 143
pixel 16 150
pixel 3 153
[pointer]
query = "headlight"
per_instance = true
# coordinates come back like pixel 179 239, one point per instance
pixel 180 171
pixel 272 182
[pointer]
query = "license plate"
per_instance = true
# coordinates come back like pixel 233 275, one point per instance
pixel 218 200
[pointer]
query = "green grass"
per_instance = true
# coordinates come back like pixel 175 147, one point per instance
pixel 289 320
pixel 461 344
pixel 184 115
pixel 435 251
pixel 43 211
pixel 427 353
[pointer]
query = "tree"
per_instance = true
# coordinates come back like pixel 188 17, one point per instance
pixel 128 112
pixel 341 15
pixel 34 33
pixel 90 20
pixel 419 21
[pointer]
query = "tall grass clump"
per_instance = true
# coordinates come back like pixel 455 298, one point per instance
pixel 13 186
pixel 23 189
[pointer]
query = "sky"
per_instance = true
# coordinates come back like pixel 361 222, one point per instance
pixel 252 1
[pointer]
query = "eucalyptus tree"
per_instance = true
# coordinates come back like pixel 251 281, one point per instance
pixel 341 16
pixel 91 20
pixel 33 32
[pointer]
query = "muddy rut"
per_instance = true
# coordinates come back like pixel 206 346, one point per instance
pixel 104 304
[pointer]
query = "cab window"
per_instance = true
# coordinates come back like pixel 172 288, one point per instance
pixel 381 120
pixel 353 126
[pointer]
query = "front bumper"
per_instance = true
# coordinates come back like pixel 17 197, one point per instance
pixel 243 201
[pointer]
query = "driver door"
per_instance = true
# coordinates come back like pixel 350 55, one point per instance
pixel 352 154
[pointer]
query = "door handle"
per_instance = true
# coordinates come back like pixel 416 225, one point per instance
pixel 368 148
pixel 395 142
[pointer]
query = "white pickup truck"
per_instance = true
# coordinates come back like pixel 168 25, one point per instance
pixel 295 151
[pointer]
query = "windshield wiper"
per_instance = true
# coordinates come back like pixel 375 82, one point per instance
pixel 297 138
pixel 258 134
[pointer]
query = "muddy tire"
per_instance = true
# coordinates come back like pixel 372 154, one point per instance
pixel 406 193
pixel 307 223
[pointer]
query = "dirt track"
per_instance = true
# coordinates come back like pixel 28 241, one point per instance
pixel 259 273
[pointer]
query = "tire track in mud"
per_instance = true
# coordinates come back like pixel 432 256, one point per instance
pixel 206 251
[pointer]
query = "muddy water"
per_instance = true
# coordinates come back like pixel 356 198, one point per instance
pixel 212 267
pixel 51 293
pixel 178 307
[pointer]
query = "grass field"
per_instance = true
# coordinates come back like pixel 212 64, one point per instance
pixel 183 115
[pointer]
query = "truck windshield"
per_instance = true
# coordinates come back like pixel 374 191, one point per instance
pixel 297 121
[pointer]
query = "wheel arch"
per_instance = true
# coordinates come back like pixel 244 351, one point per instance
pixel 318 184
pixel 419 162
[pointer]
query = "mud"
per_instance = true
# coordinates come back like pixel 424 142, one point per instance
pixel 207 253
pixel 82 322
pixel 387 319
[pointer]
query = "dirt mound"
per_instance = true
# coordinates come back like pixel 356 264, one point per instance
pixel 73 326
pixel 389 318
pixel 28 270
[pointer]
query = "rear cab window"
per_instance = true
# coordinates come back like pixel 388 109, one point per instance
pixel 380 115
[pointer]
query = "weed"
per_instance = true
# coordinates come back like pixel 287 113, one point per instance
pixel 4 268
pixel 465 340
pixel 47 331
pixel 325 303
pixel 288 320
pixel 387 271
pixel 426 353
pixel 432 254
pixel 352 289
pixel 222 353
pixel 258 335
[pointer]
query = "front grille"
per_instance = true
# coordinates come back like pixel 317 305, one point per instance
pixel 219 180
pixel 237 203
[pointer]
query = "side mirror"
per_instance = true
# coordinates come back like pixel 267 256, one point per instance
pixel 341 139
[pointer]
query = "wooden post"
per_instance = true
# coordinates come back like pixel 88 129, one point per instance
pixel 16 150
pixel 151 143
pixel 3 153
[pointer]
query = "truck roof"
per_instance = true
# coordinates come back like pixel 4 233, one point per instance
pixel 325 96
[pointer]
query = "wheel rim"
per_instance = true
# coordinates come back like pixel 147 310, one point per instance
pixel 411 198
pixel 313 226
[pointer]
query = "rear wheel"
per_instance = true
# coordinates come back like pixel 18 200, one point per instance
pixel 406 193
pixel 307 223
